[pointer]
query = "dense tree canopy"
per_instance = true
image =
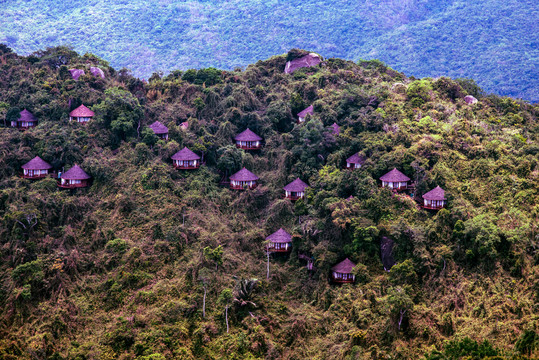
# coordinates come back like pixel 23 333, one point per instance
pixel 154 263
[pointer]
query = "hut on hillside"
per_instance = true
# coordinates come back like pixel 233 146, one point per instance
pixel 248 140
pixel 308 60
pixel 279 241
pixel 185 159
pixel 295 190
pixel 303 114
pixel 160 130
pixel 37 168
pixel 395 180
pixel 81 114
pixel 342 272
pixel 26 121
pixel 355 161
pixel 434 199
pixel 74 178
pixel 243 179
pixel 184 125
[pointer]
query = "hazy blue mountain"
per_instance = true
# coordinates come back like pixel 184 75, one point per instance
pixel 494 42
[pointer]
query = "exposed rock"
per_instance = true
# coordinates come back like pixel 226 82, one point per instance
pixel 305 61
pixel 76 73
pixel 97 72
pixel 470 99
pixel 386 252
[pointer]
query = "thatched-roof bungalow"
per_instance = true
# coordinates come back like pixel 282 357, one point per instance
pixel 303 114
pixel 395 180
pixel 26 121
pixel 243 179
pixel 160 130
pixel 355 161
pixel 295 190
pixel 185 159
pixel 434 199
pixel 279 241
pixel 37 168
pixel 248 140
pixel 342 272
pixel 81 114
pixel 74 178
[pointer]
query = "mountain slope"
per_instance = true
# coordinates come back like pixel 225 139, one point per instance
pixel 150 262
pixel 495 42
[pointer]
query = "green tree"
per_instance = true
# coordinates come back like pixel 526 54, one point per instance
pixel 121 111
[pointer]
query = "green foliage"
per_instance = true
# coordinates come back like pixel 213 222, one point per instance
pixel 121 111
pixel 123 269
pixel 527 343
pixel 466 348
pixel 422 38
pixel 214 255
pixel 418 92
pixel 117 246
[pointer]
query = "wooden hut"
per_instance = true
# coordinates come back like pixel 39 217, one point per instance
pixel 248 140
pixel 303 114
pixel 37 168
pixel 279 241
pixel 160 130
pixel 74 178
pixel 26 121
pixel 355 161
pixel 342 272
pixel 185 159
pixel 81 114
pixel 395 180
pixel 243 179
pixel 295 190
pixel 434 199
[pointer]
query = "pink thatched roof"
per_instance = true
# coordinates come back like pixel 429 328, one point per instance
pixel 158 128
pixel 395 176
pixel 297 186
pixel 344 267
pixel 75 173
pixel 247 135
pixel 26 116
pixel 82 111
pixel 244 175
pixel 356 159
pixel 185 154
pixel 37 163
pixel 336 128
pixel 280 236
pixel 435 194
pixel 309 110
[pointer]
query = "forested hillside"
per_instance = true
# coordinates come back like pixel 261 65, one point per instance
pixel 494 42
pixel 150 262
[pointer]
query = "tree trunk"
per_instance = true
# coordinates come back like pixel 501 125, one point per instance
pixel 226 318
pixel 402 312
pixel 267 272
pixel 204 303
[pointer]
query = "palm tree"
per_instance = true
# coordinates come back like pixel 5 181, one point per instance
pixel 243 292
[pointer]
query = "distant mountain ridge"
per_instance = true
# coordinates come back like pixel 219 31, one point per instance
pixel 492 41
